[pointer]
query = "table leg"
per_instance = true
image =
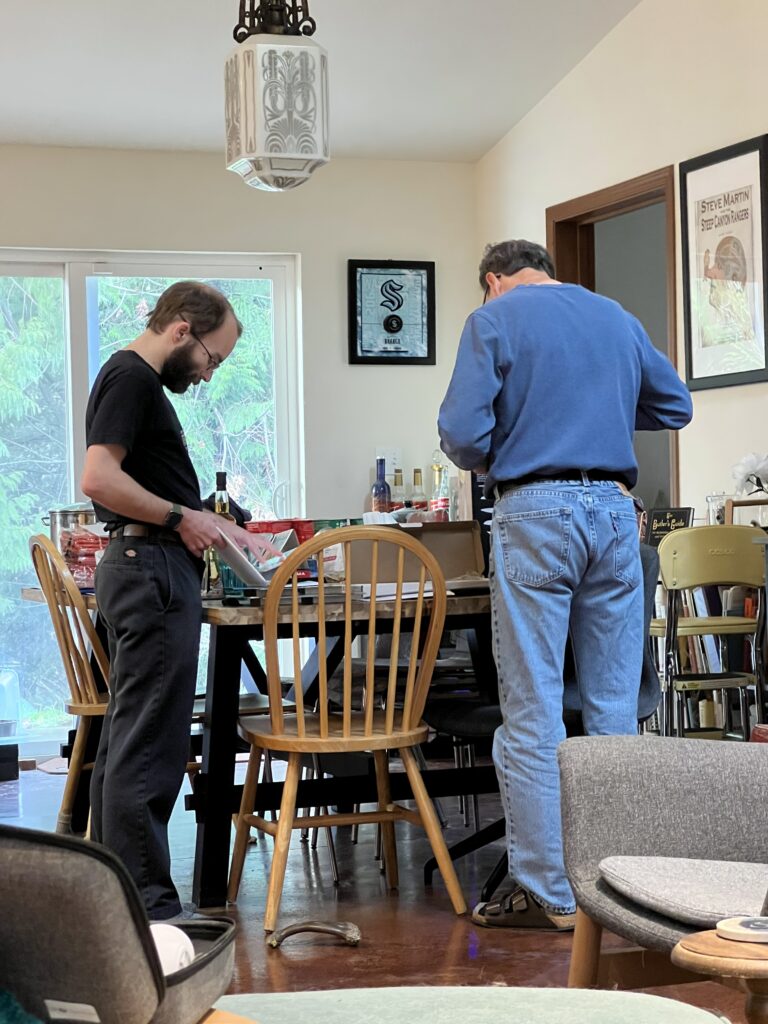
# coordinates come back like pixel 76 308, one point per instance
pixel 214 783
pixel 310 672
pixel 756 1009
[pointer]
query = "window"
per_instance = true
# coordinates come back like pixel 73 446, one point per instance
pixel 34 468
pixel 59 322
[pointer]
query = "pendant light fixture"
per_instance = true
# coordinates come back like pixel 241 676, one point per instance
pixel 276 87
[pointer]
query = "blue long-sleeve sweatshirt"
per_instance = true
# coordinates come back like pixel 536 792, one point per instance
pixel 555 377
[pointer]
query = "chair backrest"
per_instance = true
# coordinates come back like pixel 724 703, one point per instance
pixel 700 556
pixel 353 614
pixel 75 632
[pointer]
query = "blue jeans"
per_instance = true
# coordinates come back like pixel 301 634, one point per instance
pixel 565 559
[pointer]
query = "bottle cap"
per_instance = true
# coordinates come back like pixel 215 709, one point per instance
pixel 221 481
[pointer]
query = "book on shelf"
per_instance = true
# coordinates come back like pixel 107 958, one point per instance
pixel 711 653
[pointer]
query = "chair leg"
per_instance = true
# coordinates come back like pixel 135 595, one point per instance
pixel 389 847
pixel 680 701
pixel 434 833
pixel 585 952
pixel 282 841
pixel 243 829
pixel 64 820
pixel 744 711
pixel 475 799
pixel 496 877
pixel 421 761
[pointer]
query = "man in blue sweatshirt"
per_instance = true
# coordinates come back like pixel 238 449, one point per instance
pixel 550 382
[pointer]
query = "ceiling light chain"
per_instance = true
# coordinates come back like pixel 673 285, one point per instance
pixel 274 17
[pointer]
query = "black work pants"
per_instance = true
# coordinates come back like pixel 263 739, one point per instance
pixel 148 593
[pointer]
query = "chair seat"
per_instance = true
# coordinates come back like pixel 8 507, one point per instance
pixel 718 625
pixel 696 892
pixel 463 718
pixel 714 681
pixel 87 709
pixel 248 704
pixel 258 731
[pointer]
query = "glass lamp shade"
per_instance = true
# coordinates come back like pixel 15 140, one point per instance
pixel 276 89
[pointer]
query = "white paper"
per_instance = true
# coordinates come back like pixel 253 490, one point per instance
pixel 388 591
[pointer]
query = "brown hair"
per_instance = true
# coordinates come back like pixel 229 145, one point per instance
pixel 203 307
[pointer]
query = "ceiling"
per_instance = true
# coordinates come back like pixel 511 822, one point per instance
pixel 409 79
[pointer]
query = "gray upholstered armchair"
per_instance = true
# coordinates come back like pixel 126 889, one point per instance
pixel 662 837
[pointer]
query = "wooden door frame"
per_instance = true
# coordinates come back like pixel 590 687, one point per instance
pixel 571 243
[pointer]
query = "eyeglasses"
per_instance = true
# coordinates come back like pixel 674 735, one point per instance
pixel 213 362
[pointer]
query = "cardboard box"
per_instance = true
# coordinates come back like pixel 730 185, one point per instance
pixel 456 546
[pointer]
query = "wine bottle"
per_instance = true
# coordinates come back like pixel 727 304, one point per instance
pixel 419 498
pixel 381 496
pixel 398 491
pixel 440 499
pixel 221 497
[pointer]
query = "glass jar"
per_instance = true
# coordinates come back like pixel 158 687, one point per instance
pixel 716 508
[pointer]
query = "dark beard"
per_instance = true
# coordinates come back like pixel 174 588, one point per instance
pixel 178 370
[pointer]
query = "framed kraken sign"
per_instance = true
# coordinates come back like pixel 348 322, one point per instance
pixel 722 203
pixel 391 312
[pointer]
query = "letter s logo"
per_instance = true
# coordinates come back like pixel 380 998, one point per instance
pixel 392 298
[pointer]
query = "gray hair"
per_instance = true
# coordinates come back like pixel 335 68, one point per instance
pixel 517 254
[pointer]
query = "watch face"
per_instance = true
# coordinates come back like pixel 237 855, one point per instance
pixel 173 519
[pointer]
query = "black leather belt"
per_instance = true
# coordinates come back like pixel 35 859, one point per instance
pixel 156 533
pixel 576 475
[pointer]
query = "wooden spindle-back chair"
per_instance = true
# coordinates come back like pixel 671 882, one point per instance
pixel 78 643
pixel 377 719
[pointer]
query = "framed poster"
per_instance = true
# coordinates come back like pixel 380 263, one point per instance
pixel 391 312
pixel 724 242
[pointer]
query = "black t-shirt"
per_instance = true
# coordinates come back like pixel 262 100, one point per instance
pixel 129 407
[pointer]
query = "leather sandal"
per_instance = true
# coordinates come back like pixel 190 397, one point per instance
pixel 518 909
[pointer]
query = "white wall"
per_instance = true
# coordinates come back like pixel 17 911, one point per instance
pixel 110 199
pixel 673 80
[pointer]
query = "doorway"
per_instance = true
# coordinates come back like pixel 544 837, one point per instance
pixel 620 242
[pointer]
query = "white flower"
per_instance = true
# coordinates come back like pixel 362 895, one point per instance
pixel 751 473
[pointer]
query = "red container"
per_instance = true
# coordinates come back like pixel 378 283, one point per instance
pixel 304 528
pixel 269 525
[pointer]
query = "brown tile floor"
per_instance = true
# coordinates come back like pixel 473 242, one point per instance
pixel 411 938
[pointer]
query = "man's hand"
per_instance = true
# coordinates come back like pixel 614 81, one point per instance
pixel 199 530
pixel 256 543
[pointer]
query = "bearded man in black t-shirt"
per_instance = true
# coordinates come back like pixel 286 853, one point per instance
pixel 144 487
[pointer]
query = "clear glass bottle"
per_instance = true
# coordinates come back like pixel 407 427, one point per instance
pixel 221 496
pixel 419 498
pixel 381 496
pixel 440 499
pixel 398 491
